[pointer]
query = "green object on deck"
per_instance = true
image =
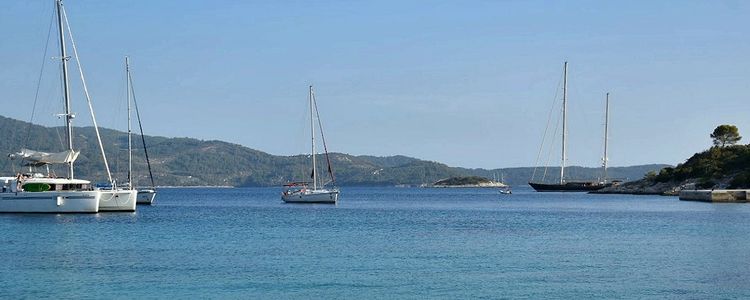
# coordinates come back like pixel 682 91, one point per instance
pixel 36 187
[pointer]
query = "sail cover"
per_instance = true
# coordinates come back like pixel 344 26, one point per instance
pixel 38 158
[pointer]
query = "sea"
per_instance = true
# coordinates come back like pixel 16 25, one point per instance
pixel 383 243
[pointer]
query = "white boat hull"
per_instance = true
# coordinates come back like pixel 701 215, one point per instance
pixel 117 200
pixel 50 202
pixel 312 197
pixel 146 197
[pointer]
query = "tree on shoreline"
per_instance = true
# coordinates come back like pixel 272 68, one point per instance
pixel 725 135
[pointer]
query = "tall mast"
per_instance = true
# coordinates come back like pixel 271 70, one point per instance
pixel 66 86
pixel 606 137
pixel 312 135
pixel 130 144
pixel 565 122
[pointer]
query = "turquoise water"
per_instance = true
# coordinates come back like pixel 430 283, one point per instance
pixel 383 243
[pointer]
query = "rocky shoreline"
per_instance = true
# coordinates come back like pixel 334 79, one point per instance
pixel 466 182
pixel 672 188
pixel 481 185
pixel 642 187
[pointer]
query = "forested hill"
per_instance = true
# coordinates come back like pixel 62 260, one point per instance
pixel 191 162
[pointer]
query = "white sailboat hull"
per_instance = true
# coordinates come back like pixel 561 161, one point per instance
pixel 312 196
pixel 50 202
pixel 146 197
pixel 117 200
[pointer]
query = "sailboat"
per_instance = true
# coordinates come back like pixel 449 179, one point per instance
pixel 45 193
pixel 112 197
pixel 564 185
pixel 144 196
pixel 303 192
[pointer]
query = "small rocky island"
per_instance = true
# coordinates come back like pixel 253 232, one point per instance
pixel 468 181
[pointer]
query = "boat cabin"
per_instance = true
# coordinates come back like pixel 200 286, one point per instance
pixel 37 182
pixel 295 187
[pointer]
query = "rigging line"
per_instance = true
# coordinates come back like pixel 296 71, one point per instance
pixel 39 80
pixel 88 97
pixel 62 92
pixel 551 147
pixel 117 111
pixel 323 137
pixel 300 142
pixel 313 149
pixel 607 129
pixel 544 136
pixel 140 126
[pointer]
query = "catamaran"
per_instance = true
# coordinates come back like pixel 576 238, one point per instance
pixel 303 192
pixel 116 198
pixel 565 185
pixel 45 193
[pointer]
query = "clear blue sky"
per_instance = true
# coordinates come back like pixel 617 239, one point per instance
pixel 467 83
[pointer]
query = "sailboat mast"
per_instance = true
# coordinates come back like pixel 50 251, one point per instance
pixel 564 123
pixel 312 135
pixel 606 136
pixel 66 86
pixel 130 141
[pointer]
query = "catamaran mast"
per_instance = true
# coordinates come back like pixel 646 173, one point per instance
pixel 66 86
pixel 130 144
pixel 606 137
pixel 312 134
pixel 564 122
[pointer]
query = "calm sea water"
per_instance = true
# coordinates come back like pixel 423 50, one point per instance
pixel 383 243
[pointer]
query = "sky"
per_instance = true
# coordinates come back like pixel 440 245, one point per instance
pixel 466 83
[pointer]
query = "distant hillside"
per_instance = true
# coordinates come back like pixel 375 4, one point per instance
pixel 187 161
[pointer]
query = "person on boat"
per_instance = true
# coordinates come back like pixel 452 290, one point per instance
pixel 18 186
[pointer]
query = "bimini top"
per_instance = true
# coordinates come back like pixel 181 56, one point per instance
pixel 299 183
pixel 38 158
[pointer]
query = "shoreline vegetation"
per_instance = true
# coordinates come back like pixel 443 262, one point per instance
pixel 723 166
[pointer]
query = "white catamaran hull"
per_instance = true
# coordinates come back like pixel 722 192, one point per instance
pixel 50 202
pixel 312 197
pixel 146 197
pixel 117 200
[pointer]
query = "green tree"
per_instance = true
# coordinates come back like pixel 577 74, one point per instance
pixel 725 135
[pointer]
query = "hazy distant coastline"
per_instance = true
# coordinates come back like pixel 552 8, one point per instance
pixel 188 162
